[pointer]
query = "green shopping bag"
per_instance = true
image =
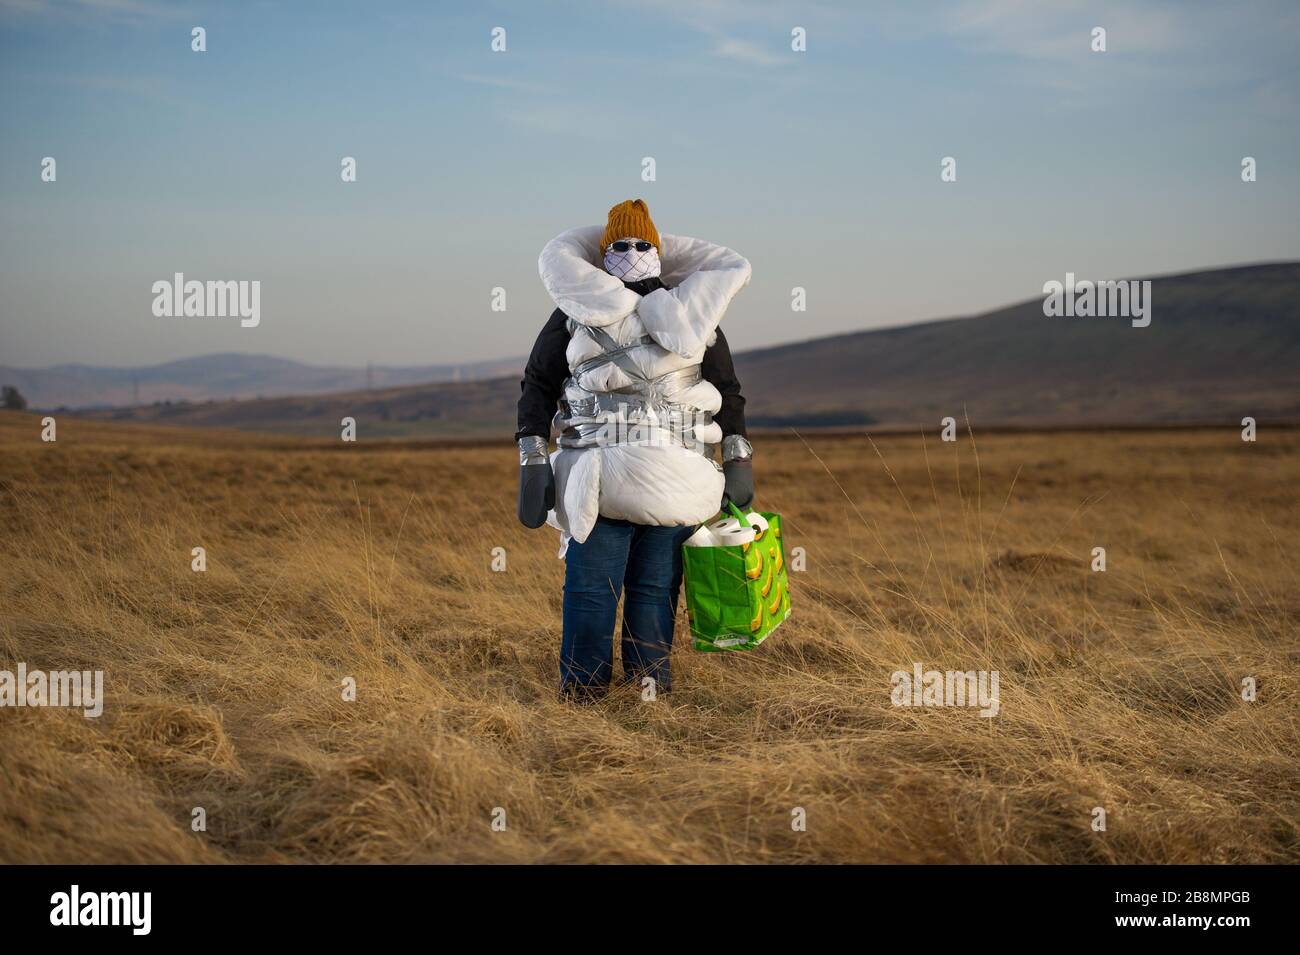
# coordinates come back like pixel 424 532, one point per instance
pixel 737 595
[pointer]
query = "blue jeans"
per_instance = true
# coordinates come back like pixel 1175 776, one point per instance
pixel 618 556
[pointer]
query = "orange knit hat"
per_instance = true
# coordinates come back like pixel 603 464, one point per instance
pixel 630 219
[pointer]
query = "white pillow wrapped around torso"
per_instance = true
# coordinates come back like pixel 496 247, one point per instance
pixel 667 484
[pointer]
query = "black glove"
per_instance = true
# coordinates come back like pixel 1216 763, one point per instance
pixel 536 493
pixel 739 487
pixel 536 480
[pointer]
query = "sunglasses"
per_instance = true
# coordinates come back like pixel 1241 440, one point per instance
pixel 627 246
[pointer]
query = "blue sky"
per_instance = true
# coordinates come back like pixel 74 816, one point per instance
pixel 822 167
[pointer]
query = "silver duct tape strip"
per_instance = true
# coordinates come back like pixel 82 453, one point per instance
pixel 643 394
pixel 533 450
pixel 736 447
pixel 618 354
pixel 630 419
pixel 608 434
pixel 610 405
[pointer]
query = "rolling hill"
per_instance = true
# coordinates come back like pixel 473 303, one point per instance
pixel 1222 344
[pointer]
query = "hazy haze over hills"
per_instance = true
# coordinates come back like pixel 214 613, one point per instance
pixel 222 376
pixel 1222 344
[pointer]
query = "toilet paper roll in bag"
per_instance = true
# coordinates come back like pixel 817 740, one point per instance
pixel 728 532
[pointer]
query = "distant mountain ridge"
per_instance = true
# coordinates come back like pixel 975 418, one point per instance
pixel 223 376
pixel 1222 344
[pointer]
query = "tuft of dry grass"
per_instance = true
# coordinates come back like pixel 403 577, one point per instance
pixel 1118 689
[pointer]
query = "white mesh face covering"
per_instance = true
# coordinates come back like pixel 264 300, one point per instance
pixel 632 266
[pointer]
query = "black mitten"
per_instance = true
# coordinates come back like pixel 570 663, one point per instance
pixel 739 487
pixel 536 480
pixel 536 493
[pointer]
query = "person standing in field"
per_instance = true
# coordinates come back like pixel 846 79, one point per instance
pixel 642 377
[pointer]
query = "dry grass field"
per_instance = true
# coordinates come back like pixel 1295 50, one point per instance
pixel 1119 689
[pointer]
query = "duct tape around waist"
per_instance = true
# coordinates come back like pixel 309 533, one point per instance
pixel 651 430
pixel 640 414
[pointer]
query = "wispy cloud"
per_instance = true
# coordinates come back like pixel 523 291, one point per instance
pixel 1277 97
pixel 505 83
pixel 746 52
pixel 1026 29
pixel 565 120
pixel 155 88
pixel 27 7
pixel 83 10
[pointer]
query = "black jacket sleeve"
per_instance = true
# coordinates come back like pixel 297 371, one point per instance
pixel 544 378
pixel 718 370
